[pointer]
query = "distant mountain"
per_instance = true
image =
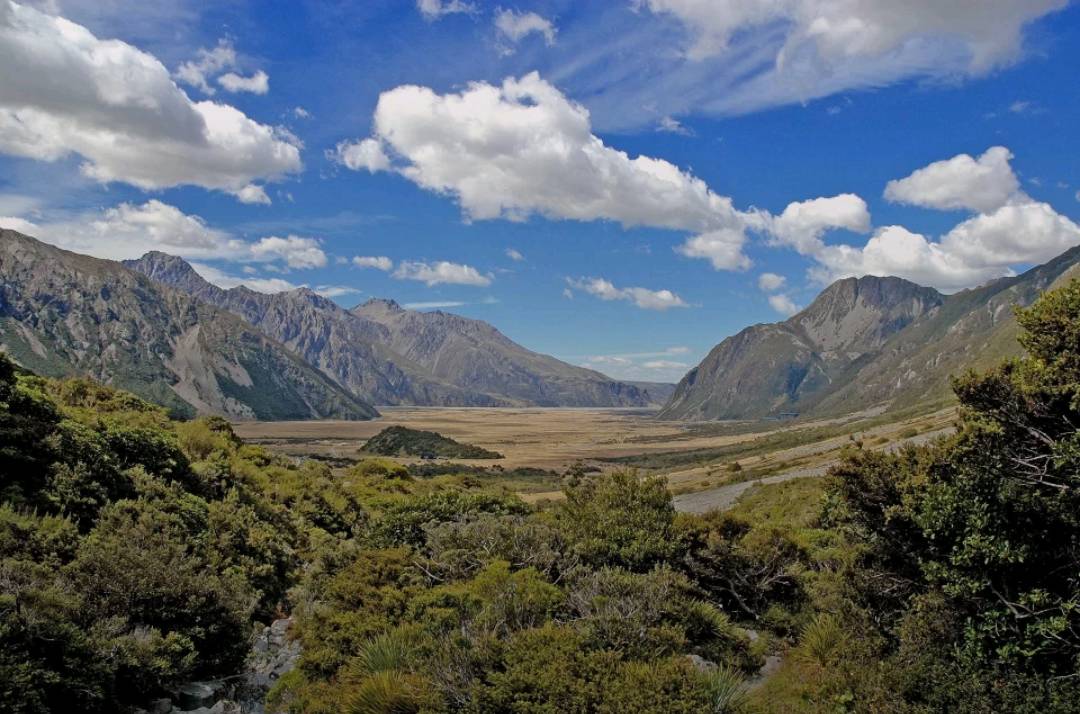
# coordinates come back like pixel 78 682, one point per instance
pixel 475 355
pixel 390 355
pixel 862 343
pixel 62 314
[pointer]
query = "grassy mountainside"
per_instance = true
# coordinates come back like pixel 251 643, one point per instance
pixel 842 355
pixel 64 314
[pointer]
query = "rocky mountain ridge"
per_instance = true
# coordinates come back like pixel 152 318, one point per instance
pixel 64 314
pixel 869 342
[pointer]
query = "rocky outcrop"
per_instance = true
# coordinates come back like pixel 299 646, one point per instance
pixel 65 314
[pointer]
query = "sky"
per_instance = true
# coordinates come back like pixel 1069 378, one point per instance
pixel 620 184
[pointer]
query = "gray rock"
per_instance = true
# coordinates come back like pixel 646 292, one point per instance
pixel 160 706
pixel 194 695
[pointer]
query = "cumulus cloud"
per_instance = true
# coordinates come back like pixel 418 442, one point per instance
pixel 129 230
pixel 963 182
pixel 258 83
pixel 296 251
pixel 436 9
pixel 67 92
pixel 522 148
pixel 642 297
pixel 981 248
pixel 770 282
pixel 365 154
pixel 783 305
pixel 514 26
pixel 197 72
pixel 380 262
pixel 803 223
pixel 1009 229
pixel 441 272
pixel 658 366
pixel 270 286
pixel 252 194
pixel 514 255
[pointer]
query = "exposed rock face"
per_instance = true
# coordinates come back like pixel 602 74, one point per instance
pixel 475 355
pixel 390 355
pixel 65 314
pixel 767 369
pixel 862 343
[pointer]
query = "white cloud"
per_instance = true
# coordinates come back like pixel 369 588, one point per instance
pixel 523 149
pixel 380 262
pixel 514 255
pixel 783 305
pixel 722 248
pixel 252 194
pixel 671 125
pixel 441 272
pixel 980 184
pixel 333 291
pixel 128 231
pixel 770 282
pixel 224 280
pixel 642 297
pixel 803 223
pixel 258 83
pixel 655 366
pixel 435 9
pixel 67 92
pixel 296 251
pixel 989 32
pixel 301 113
pixel 366 154
pixel 514 26
pixel 197 72
pixel 981 248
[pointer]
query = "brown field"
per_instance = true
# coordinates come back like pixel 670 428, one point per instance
pixel 555 439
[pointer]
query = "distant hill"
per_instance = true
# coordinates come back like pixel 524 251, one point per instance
pixel 402 441
pixel 390 355
pixel 865 342
pixel 63 314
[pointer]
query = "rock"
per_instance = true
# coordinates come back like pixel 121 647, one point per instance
pixel 160 706
pixel 700 663
pixel 195 695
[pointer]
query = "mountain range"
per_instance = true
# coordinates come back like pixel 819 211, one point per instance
pixel 862 343
pixel 65 314
pixel 155 327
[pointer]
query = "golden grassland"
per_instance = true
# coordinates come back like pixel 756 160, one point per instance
pixel 693 457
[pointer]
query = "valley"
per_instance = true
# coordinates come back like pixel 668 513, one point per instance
pixel 695 459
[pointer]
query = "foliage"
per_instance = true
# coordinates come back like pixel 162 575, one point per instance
pixel 403 441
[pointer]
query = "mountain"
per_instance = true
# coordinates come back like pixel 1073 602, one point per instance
pixel 766 369
pixel 865 342
pixel 475 355
pixel 390 355
pixel 63 314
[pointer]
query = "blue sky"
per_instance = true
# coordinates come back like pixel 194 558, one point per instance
pixel 619 184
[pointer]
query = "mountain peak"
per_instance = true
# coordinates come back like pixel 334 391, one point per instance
pixel 168 269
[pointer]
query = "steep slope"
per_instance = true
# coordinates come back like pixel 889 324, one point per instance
pixel 782 367
pixel 475 355
pixel 863 343
pixel 973 329
pixel 346 348
pixel 65 314
pixel 395 356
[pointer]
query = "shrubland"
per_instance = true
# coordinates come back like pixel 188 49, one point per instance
pixel 137 552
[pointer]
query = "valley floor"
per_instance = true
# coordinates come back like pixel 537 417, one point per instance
pixel 707 465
